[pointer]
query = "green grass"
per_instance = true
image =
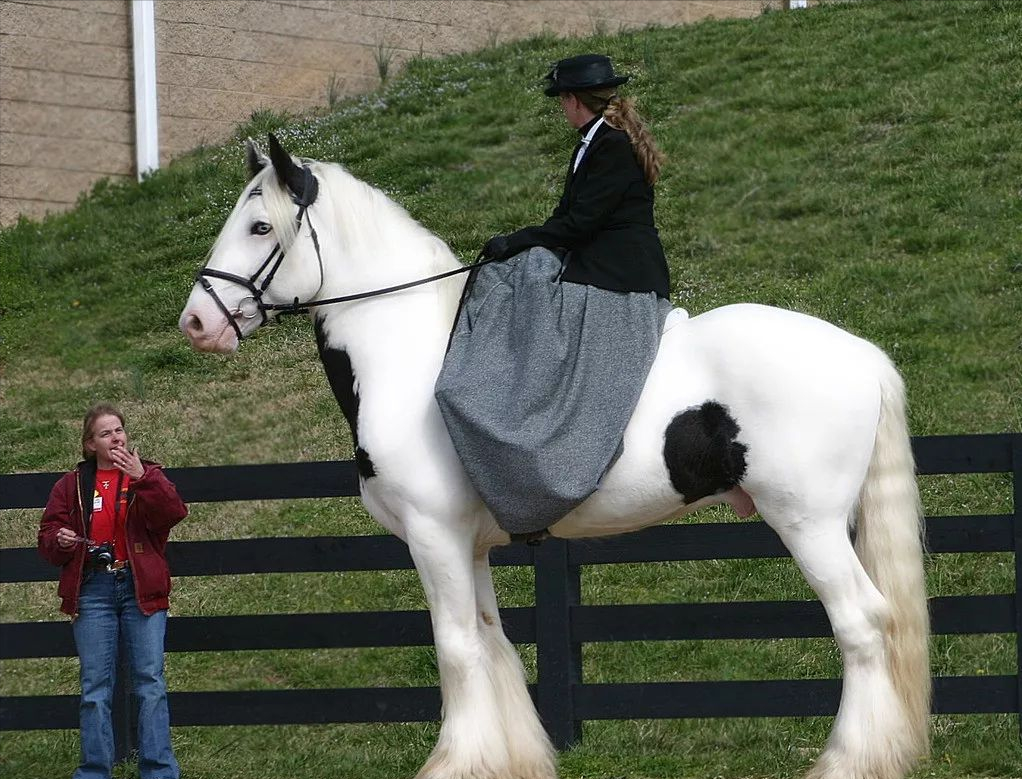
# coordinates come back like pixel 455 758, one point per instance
pixel 856 161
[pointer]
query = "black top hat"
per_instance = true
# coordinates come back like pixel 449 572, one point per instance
pixel 586 71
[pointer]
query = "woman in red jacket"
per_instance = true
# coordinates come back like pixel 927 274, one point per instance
pixel 106 524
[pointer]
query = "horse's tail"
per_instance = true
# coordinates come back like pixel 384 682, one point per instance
pixel 889 543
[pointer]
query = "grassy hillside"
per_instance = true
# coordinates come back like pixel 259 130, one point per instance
pixel 858 162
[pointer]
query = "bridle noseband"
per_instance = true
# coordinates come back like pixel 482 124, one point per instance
pixel 276 257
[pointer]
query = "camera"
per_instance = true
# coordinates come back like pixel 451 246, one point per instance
pixel 100 555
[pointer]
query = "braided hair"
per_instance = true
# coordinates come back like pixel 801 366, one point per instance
pixel 621 114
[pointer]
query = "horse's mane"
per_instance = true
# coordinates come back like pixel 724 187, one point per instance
pixel 371 226
pixel 368 220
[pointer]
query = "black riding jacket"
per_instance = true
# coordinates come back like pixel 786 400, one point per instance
pixel 605 221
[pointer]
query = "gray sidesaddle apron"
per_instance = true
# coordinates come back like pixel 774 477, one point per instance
pixel 539 382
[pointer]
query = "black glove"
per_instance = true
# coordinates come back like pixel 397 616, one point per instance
pixel 497 248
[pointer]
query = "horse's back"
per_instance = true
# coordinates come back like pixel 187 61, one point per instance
pixel 750 319
pixel 731 342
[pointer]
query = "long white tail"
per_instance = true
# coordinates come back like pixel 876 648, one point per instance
pixel 889 543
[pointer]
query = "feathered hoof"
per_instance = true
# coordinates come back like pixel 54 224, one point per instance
pixel 443 767
pixel 836 764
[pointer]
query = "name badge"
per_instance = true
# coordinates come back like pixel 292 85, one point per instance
pixel 97 503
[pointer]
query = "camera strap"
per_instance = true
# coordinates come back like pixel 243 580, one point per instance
pixel 86 489
pixel 117 499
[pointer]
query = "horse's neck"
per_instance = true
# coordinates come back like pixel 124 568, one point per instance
pixel 395 346
pixel 395 342
pixel 382 243
pixel 404 326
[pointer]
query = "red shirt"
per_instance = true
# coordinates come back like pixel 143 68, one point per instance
pixel 110 509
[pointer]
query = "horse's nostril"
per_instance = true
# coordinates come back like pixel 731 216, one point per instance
pixel 194 324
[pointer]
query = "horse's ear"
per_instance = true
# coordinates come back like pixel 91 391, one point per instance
pixel 289 174
pixel 254 158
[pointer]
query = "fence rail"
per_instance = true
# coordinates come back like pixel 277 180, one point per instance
pixel 559 623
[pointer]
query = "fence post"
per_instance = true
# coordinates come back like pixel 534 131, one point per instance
pixel 124 711
pixel 558 660
pixel 1016 477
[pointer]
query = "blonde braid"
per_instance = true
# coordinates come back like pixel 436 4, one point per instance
pixel 621 114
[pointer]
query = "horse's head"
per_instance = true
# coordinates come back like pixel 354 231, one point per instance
pixel 247 280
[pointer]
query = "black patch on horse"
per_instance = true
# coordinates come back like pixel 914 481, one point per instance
pixel 339 373
pixel 702 454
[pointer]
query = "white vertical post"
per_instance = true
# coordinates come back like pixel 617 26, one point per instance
pixel 147 143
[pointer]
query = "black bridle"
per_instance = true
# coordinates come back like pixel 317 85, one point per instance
pixel 276 257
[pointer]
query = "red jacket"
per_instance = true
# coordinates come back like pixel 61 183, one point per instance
pixel 154 507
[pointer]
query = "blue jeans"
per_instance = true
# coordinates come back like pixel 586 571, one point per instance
pixel 108 615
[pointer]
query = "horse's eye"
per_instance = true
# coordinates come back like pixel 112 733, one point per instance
pixel 260 228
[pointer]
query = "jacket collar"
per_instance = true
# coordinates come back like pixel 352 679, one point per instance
pixel 86 487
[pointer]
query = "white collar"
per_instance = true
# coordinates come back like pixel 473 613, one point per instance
pixel 586 140
pixel 592 131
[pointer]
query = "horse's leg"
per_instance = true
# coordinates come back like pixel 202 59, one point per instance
pixel 869 737
pixel 532 755
pixel 471 743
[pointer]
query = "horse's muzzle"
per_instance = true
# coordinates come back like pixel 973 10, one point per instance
pixel 207 329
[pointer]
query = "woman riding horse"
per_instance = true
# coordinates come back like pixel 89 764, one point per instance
pixel 551 349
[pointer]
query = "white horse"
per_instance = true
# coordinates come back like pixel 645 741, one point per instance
pixel 759 407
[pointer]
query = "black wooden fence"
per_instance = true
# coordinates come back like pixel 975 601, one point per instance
pixel 559 624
